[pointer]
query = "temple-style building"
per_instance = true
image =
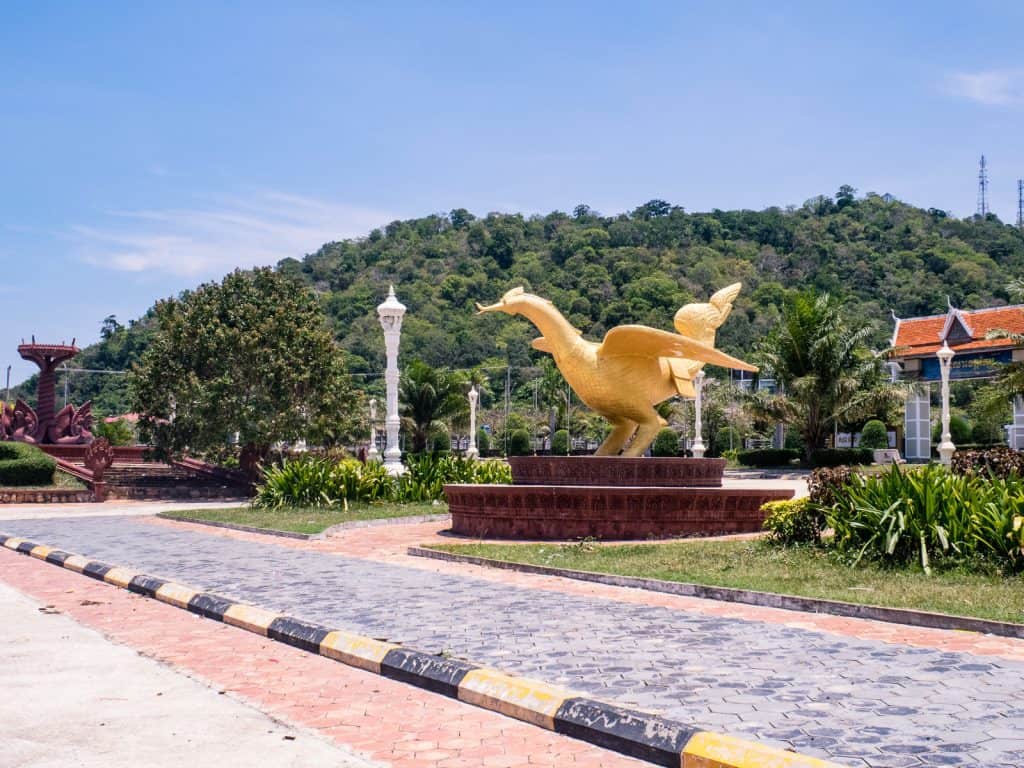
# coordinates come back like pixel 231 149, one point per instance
pixel 914 359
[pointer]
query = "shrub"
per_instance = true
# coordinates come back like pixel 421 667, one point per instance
pixel 727 438
pixel 929 514
pixel 767 457
pixel 794 521
pixel 959 430
pixel 119 432
pixel 310 481
pixel 24 464
pixel 835 457
pixel 666 443
pixel 440 440
pixel 874 436
pixel 826 482
pixel 1001 462
pixel 986 433
pixel 560 443
pixel 483 441
pixel 519 443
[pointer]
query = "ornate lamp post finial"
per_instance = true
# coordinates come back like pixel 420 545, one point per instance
pixel 946 447
pixel 391 312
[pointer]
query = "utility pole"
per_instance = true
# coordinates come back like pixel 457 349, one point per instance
pixel 982 188
pixel 7 394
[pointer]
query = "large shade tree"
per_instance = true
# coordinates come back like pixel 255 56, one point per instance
pixel 430 399
pixel 252 356
pixel 825 373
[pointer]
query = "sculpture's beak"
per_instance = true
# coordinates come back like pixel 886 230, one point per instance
pixel 481 309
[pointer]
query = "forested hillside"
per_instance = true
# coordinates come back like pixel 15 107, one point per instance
pixel 876 253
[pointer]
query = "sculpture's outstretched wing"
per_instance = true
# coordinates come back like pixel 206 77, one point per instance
pixel 641 341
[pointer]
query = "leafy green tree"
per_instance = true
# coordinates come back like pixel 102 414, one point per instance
pixel 250 356
pixel 874 435
pixel 428 398
pixel 825 373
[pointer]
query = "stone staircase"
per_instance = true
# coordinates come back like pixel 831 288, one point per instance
pixel 155 480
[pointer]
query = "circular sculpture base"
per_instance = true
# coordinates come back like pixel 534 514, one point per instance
pixel 616 471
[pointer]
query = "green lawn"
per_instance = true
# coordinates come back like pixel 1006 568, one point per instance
pixel 306 519
pixel 759 566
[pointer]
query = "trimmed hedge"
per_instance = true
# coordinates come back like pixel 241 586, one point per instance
pixel 767 457
pixel 836 457
pixel 24 464
pixel 519 443
pixel 666 443
pixel 560 443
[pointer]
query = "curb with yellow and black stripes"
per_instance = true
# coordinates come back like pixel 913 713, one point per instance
pixel 631 732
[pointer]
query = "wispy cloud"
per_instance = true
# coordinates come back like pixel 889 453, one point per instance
pixel 993 87
pixel 259 229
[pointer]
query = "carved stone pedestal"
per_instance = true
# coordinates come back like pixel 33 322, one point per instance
pixel 607 498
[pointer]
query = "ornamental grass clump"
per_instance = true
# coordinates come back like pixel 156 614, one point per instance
pixel 313 481
pixel 929 516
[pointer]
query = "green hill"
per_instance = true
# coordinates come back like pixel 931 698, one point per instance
pixel 878 254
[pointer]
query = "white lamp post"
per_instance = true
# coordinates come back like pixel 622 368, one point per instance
pixel 946 447
pixel 698 425
pixel 373 454
pixel 472 452
pixel 391 312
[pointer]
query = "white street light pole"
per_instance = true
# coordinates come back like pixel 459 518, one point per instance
pixel 373 454
pixel 391 312
pixel 698 424
pixel 472 452
pixel 946 447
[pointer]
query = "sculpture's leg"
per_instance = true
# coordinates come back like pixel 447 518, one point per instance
pixel 645 435
pixel 620 434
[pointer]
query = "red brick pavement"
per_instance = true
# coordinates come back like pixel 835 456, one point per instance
pixel 387 721
pixel 389 542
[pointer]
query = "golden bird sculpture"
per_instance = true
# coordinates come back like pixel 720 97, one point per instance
pixel 634 368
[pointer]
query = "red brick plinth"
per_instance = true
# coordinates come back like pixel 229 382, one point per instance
pixel 570 512
pixel 617 470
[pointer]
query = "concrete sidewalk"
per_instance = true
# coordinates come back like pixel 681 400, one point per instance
pixel 107 509
pixel 70 697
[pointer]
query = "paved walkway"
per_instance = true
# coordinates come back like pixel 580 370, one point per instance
pixel 856 700
pixel 116 708
pixel 363 718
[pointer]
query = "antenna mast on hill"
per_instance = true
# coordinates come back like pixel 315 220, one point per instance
pixel 982 188
pixel 1020 203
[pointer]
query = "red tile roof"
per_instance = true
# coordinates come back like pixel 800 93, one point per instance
pixel 923 335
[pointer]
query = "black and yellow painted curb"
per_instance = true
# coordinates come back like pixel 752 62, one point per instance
pixel 631 732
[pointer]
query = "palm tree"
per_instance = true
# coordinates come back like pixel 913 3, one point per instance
pixel 824 371
pixel 428 397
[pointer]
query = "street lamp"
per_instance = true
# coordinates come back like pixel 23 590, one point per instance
pixel 391 312
pixel 471 451
pixel 698 425
pixel 946 447
pixel 373 454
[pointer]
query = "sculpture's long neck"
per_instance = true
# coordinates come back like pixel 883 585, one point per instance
pixel 550 322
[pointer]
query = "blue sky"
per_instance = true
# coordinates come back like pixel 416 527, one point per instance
pixel 149 146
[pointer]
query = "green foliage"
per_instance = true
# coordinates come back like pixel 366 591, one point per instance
pixel 519 443
pixel 602 270
pixel 929 515
pixel 251 355
pixel 825 369
pixel 427 398
pixel 119 432
pixel 666 443
pixel 874 436
pixel 483 441
pixel 835 457
pixel 1001 462
pixel 560 443
pixel 440 439
pixel 312 481
pixel 794 521
pixel 727 438
pixel 826 483
pixel 767 457
pixel 959 429
pixel 24 464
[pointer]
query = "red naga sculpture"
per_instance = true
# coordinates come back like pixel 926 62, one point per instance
pixel 45 424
